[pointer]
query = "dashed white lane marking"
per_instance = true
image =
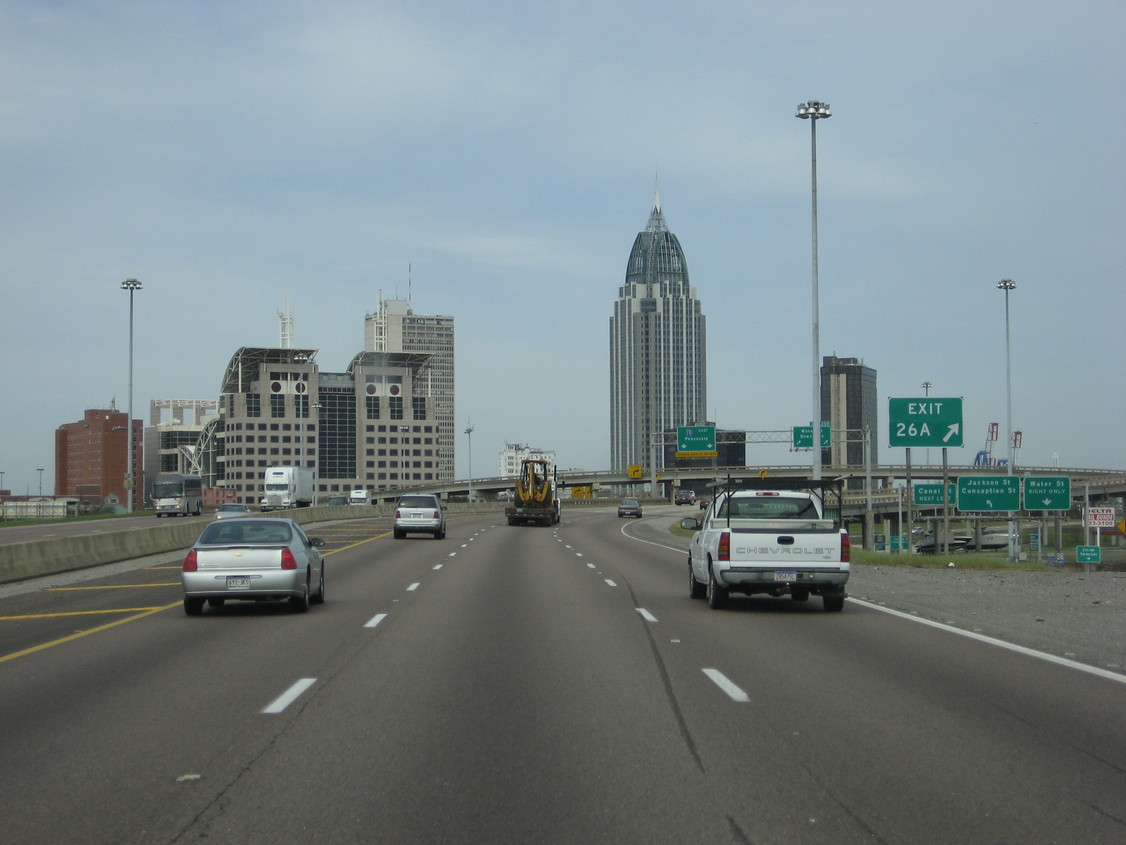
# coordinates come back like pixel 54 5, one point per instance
pixel 646 615
pixel 721 681
pixel 289 696
pixel 375 620
pixel 608 581
pixel 438 566
pixel 414 586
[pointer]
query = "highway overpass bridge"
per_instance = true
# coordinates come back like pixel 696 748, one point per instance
pixel 887 481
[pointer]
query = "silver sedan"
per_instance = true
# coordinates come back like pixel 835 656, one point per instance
pixel 253 559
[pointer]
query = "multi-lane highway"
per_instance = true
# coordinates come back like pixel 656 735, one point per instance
pixel 533 685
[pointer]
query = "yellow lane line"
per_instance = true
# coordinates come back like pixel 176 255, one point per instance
pixel 5 658
pixel 140 615
pixel 109 587
pixel 76 613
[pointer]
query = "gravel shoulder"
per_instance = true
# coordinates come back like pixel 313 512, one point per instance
pixel 1078 615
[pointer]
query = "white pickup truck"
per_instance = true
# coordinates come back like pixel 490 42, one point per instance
pixel 773 540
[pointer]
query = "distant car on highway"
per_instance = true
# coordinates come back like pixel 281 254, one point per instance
pixel 253 559
pixel 684 497
pixel 231 509
pixel 419 512
pixel 703 503
pixel 629 507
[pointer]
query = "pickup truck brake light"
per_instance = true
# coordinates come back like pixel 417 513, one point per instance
pixel 846 547
pixel 288 560
pixel 724 550
pixel 191 562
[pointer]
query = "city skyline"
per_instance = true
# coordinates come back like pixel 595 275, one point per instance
pixel 494 157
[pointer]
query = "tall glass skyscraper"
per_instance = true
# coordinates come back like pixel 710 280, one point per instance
pixel 658 373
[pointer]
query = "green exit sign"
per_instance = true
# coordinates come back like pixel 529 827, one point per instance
pixel 929 421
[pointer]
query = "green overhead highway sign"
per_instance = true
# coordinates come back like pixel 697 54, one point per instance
pixel 803 436
pixel 988 493
pixel 930 495
pixel 924 422
pixel 1050 493
pixel 696 441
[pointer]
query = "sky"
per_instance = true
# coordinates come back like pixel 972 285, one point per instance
pixel 496 160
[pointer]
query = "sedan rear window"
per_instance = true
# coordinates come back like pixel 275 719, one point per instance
pixel 238 531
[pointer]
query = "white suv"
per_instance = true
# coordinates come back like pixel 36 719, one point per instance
pixel 420 513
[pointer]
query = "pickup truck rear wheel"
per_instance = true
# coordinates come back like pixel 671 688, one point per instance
pixel 696 590
pixel 717 595
pixel 833 604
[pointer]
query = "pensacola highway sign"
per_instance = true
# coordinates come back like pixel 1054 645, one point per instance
pixel 696 441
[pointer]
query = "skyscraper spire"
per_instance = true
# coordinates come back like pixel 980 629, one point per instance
pixel 656 218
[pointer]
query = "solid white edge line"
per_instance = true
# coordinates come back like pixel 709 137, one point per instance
pixel 288 697
pixel 721 681
pixel 645 614
pixel 375 620
pixel 1019 649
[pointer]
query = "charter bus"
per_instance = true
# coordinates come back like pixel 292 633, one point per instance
pixel 176 494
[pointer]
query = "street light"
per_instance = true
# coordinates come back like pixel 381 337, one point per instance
pixel 130 285
pixel 469 434
pixel 813 111
pixel 1007 285
pixel 40 471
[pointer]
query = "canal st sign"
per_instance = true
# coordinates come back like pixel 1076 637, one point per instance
pixel 924 422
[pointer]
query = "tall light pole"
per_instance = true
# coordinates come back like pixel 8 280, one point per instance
pixel 469 434
pixel 1007 285
pixel 130 285
pixel 926 385
pixel 40 471
pixel 813 111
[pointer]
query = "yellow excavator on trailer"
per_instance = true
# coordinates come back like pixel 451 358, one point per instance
pixel 536 498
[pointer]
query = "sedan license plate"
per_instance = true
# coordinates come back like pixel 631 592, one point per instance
pixel 785 576
pixel 238 582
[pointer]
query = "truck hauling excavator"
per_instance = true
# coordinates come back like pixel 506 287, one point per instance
pixel 536 499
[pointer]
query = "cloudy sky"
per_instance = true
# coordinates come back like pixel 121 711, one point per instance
pixel 229 154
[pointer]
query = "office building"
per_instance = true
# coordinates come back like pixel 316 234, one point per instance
pixel 371 427
pixel 658 374
pixel 396 328
pixel 848 402
pixel 90 458
pixel 514 454
pixel 172 436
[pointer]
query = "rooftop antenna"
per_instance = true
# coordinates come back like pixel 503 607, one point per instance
pixel 285 318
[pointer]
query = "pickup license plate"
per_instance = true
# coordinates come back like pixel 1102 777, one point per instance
pixel 785 576
pixel 238 582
